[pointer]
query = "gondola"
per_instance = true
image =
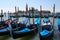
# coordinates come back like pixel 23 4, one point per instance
pixel 59 24
pixel 4 29
pixel 47 31
pixel 23 32
pixel 29 29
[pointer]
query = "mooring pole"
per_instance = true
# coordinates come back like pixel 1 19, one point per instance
pixel 33 14
pixel 8 15
pixel 26 9
pixel 54 13
pixel 1 15
pixel 10 30
pixel 16 15
pixel 40 18
pixel 29 15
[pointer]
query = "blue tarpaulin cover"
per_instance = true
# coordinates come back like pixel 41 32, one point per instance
pixel 37 21
pixel 58 21
pixel 45 33
pixel 46 20
pixel 23 31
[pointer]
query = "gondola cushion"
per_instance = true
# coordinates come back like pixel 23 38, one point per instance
pixel 37 21
pixel 45 33
pixel 59 21
pixel 23 30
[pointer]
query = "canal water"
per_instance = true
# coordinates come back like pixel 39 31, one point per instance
pixel 36 36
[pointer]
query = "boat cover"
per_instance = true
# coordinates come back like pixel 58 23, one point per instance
pixel 58 21
pixel 23 31
pixel 45 33
pixel 37 21
pixel 46 20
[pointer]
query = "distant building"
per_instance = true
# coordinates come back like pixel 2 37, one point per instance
pixel 33 11
pixel 58 13
pixel 45 13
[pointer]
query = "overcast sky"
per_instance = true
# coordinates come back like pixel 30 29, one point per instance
pixel 46 4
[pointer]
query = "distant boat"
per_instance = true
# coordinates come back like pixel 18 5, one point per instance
pixel 30 16
pixel 1 15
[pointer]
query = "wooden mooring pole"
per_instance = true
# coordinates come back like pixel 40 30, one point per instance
pixel 33 14
pixel 54 13
pixel 29 15
pixel 40 17
pixel 16 15
pixel 1 15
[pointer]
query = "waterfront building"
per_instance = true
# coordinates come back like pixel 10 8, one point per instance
pixel 45 13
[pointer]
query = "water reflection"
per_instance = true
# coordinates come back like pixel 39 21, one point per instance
pixel 4 37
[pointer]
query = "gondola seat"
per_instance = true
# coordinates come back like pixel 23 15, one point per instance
pixel 31 26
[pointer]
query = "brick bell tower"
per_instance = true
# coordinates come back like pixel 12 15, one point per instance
pixel 26 8
pixel 54 8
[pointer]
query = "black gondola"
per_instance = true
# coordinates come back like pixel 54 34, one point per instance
pixel 59 24
pixel 4 29
pixel 24 32
pixel 47 30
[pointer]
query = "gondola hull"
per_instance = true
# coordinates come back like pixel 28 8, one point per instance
pixel 47 37
pixel 46 33
pixel 17 34
pixel 59 24
pixel 4 31
pixel 59 27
